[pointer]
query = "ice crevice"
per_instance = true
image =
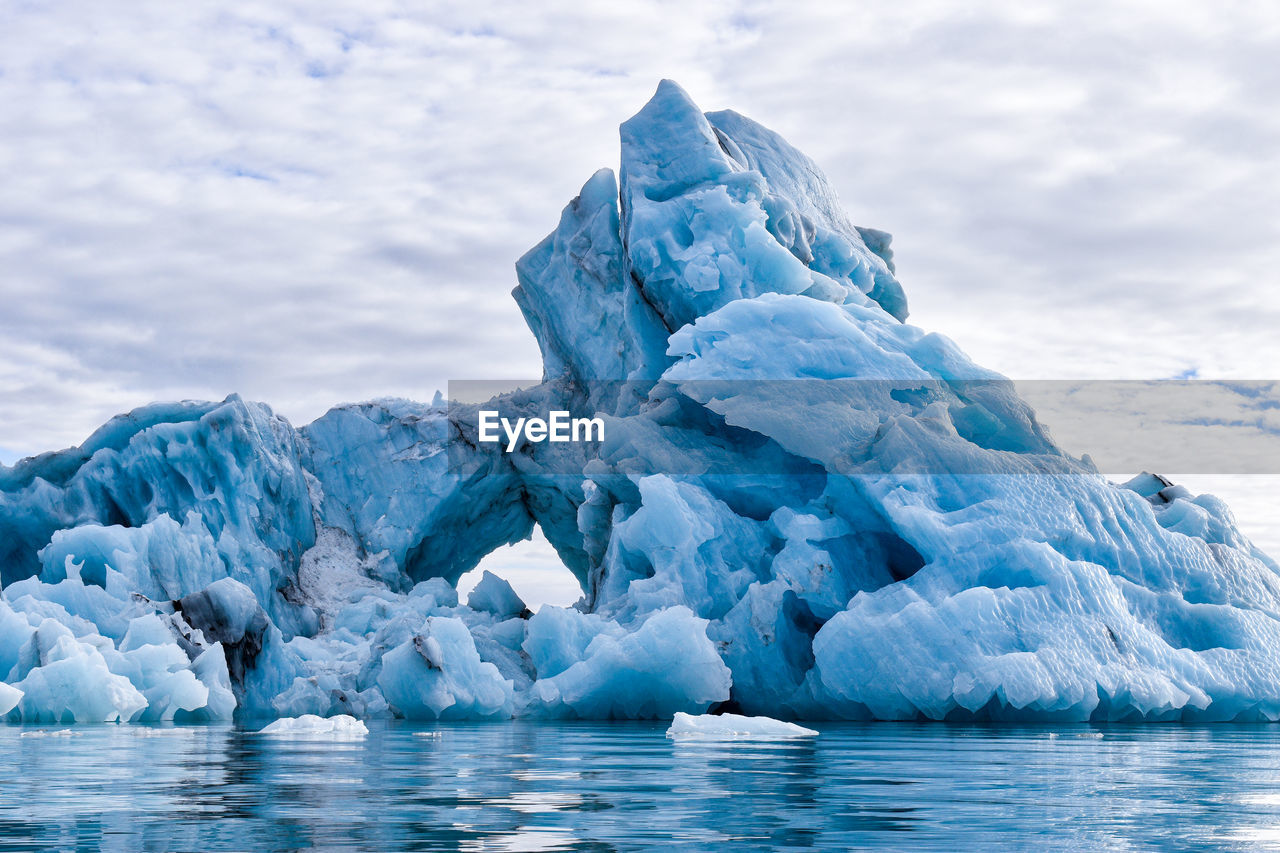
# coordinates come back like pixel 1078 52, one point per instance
pixel 804 508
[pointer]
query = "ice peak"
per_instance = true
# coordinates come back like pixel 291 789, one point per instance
pixel 710 208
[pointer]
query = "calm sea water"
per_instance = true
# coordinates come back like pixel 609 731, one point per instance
pixel 530 786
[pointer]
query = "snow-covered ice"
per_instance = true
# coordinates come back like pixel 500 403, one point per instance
pixel 803 507
pixel 309 725
pixel 734 727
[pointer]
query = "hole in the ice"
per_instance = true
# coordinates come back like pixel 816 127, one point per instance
pixel 915 397
pixel 115 513
pixel 903 560
pixel 534 571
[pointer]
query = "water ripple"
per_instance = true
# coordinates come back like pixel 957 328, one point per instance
pixel 620 787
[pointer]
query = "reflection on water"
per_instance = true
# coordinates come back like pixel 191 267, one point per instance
pixel 530 786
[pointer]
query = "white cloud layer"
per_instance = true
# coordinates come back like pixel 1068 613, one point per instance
pixel 317 202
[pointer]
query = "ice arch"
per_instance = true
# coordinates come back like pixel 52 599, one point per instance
pixel 532 568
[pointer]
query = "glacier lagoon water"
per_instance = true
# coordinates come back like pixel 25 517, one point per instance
pixel 528 786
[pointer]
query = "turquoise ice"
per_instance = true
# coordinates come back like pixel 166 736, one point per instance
pixel 803 507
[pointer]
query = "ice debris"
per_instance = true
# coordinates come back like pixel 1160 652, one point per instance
pixel 804 507
pixel 734 727
pixel 309 725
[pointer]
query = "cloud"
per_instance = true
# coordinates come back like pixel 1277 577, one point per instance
pixel 303 203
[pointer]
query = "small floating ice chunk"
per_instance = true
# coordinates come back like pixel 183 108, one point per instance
pixel 46 733
pixel 308 725
pixel 734 727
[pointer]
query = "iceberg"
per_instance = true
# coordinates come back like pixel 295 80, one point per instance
pixel 734 727
pixel 802 507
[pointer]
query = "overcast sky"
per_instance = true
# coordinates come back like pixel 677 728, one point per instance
pixel 313 202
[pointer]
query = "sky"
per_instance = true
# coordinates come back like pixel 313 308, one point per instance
pixel 312 202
